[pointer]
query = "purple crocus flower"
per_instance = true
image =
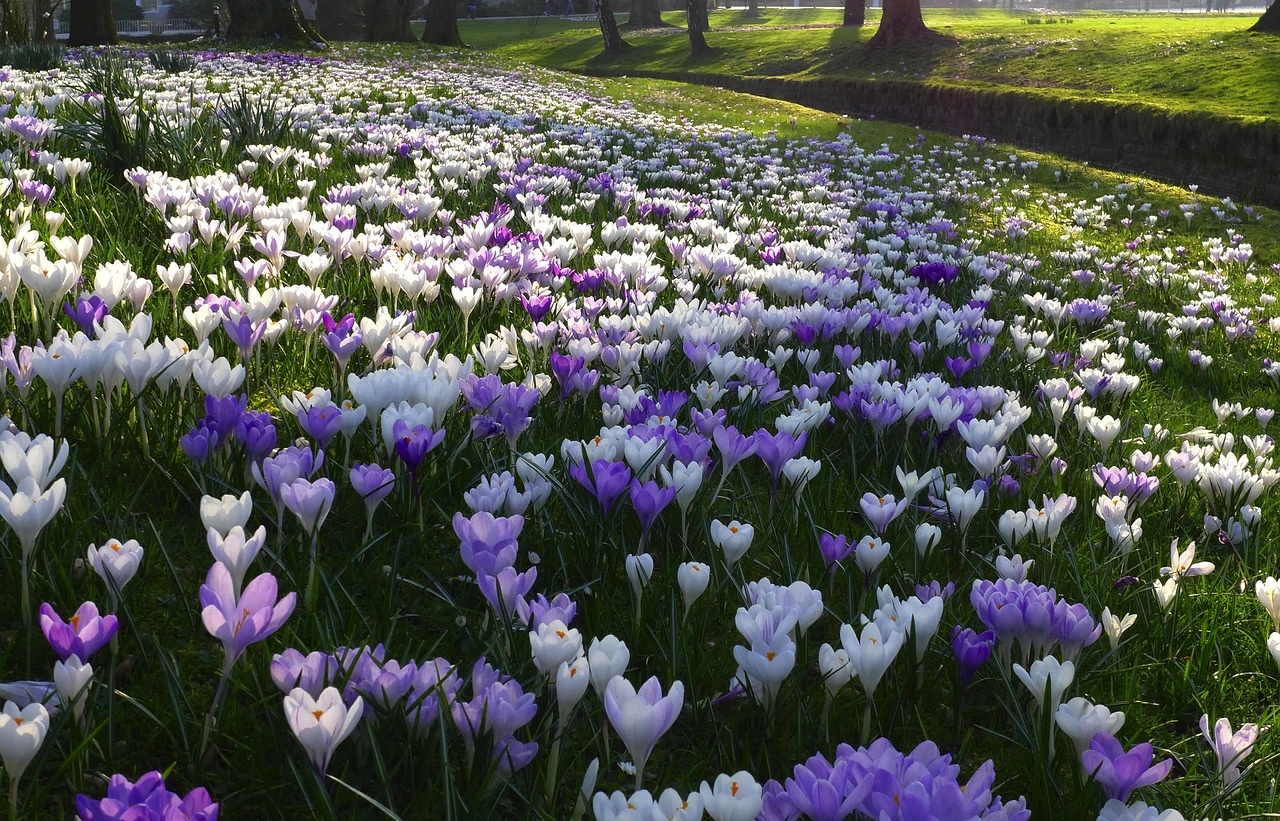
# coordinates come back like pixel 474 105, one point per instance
pixel 257 433
pixel 972 650
pixel 86 312
pixel 340 337
pixel 503 589
pixel 282 469
pixel 488 543
pixel 642 716
pixel 373 484
pixel 82 635
pixel 414 443
pixel 239 622
pixel 649 499
pixel 499 707
pixel 778 448
pixel 538 611
pixel 321 423
pixel 606 480
pixel 825 792
pixel 1121 773
pixel 245 333
pixel 734 447
pixel 147 799
pixel 309 501
pixel 835 548
pixel 312 672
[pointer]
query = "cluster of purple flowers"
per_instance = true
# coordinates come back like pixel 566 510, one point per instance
pixel 880 782
pixel 499 408
pixel 1034 617
pixel 148 799
pixel 228 420
pixel 415 692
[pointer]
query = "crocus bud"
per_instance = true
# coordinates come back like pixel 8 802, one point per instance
pixel 927 537
pixel 571 685
pixel 225 513
pixel 71 678
pixel 693 578
pixel 639 571
pixel 607 657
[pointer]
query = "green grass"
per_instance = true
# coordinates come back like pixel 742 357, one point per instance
pixel 1182 63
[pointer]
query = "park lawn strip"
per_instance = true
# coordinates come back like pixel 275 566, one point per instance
pixel 1181 63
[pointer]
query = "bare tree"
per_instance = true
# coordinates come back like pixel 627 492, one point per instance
pixel 93 23
pixel 903 22
pixel 613 42
pixel 698 25
pixel 252 19
pixel 442 24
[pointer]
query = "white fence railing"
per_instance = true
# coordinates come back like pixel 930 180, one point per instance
pixel 141 28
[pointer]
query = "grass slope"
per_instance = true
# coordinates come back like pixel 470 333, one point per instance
pixel 1179 62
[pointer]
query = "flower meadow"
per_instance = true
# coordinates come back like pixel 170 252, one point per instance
pixel 398 439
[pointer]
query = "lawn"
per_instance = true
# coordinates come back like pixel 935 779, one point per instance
pixel 1208 63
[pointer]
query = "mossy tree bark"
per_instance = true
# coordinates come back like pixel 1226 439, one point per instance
pixel 387 21
pixel 613 42
pixel 903 22
pixel 855 13
pixel 339 20
pixel 1270 20
pixel 254 19
pixel 442 24
pixel 93 23
pixel 645 14
pixel 698 25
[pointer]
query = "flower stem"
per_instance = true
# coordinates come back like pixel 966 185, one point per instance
pixel 212 717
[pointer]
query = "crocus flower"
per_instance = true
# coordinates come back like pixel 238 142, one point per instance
pixel 1184 564
pixel 1115 810
pixel 147 799
pixel 1082 720
pixel 835 548
pixel 22 734
pixel 222 514
pixel 116 562
pixel 606 480
pixel 649 499
pixel 309 501
pixel 736 797
pixel 693 578
pixel 71 679
pixel 28 508
pixel 871 653
pixel 1121 773
pixel 373 484
pixel 82 635
pixel 1229 748
pixel 239 621
pixel 1047 674
pixel 733 538
pixel 321 724
pixel 236 550
pixel 642 716
pixel 972 651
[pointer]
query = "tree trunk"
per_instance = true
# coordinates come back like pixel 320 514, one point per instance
pixel 92 23
pixel 698 25
pixel 339 20
pixel 902 22
pixel 1269 21
pixel 442 24
pixel 613 42
pixel 387 21
pixel 254 19
pixel 753 8
pixel 645 14
pixel 855 13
